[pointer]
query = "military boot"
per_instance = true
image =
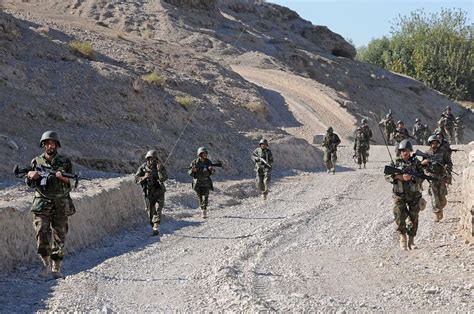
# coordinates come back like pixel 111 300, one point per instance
pixel 204 213
pixel 438 216
pixel 46 269
pixel 264 195
pixel 364 166
pixel 156 229
pixel 411 243
pixel 403 241
pixel 57 269
pixel 360 166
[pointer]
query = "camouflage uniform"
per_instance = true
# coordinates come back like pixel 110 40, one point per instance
pixel 426 134
pixel 330 142
pixel 438 169
pixel 407 197
pixel 458 131
pixel 51 207
pixel 202 182
pixel 418 132
pixel 449 124
pixel 153 189
pixel 389 126
pixel 263 172
pixel 400 134
pixel 361 146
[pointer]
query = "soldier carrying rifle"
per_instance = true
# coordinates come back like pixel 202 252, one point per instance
pixel 152 175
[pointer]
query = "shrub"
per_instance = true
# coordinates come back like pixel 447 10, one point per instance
pixel 154 78
pixel 185 101
pixel 84 49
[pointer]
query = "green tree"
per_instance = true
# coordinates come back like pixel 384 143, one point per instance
pixel 436 49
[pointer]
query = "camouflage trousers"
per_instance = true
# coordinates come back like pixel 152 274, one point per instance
pixel 459 137
pixel 361 156
pixel 438 191
pixel 154 206
pixel 262 180
pixel 330 158
pixel 51 225
pixel 405 211
pixel 450 132
pixel 203 196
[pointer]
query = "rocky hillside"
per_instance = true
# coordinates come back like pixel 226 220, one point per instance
pixel 82 68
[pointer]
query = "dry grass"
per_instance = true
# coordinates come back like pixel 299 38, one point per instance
pixel 256 107
pixel 84 49
pixel 154 79
pixel 185 101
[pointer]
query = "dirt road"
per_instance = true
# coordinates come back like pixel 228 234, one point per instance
pixel 321 241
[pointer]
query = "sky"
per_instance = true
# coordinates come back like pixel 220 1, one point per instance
pixel 363 20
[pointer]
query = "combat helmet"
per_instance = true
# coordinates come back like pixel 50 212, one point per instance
pixel 364 120
pixel 405 144
pixel 263 141
pixel 202 150
pixel 329 130
pixel 417 120
pixel 50 135
pixel 433 138
pixel 151 153
pixel 400 121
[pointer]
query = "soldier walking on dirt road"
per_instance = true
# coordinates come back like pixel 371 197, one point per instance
pixel 152 175
pixel 263 158
pixel 330 142
pixel 52 204
pixel 407 194
pixel 201 170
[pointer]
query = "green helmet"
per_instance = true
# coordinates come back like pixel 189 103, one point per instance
pixel 405 144
pixel 363 120
pixel 433 138
pixel 202 150
pixel 50 135
pixel 151 153
pixel 329 130
pixel 263 141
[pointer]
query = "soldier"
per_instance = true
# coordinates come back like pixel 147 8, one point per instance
pixel 458 131
pixel 449 122
pixel 389 126
pixel 330 142
pixel 52 204
pixel 400 134
pixel 361 145
pixel 418 131
pixel 437 165
pixel 263 158
pixel 426 134
pixel 446 148
pixel 152 175
pixel 407 194
pixel 201 170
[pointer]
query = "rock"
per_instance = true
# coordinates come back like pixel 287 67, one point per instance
pixel 432 290
pixel 13 145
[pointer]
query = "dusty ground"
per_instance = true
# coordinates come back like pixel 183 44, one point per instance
pixel 321 242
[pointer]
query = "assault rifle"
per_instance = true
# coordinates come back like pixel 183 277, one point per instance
pixel 217 164
pixel 262 160
pixel 394 170
pixel 430 158
pixel 455 150
pixel 45 173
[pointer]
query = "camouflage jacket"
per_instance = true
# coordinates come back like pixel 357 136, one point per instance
pixel 440 164
pixel 202 177
pixel 450 120
pixel 401 134
pixel 155 183
pixel 418 130
pixel 389 124
pixel 265 154
pixel 412 166
pixel 361 142
pixel 367 132
pixel 330 142
pixel 54 188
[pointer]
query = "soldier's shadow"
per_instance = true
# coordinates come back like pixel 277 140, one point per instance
pixel 23 291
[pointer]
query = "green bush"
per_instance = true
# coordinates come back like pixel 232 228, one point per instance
pixel 154 78
pixel 185 101
pixel 84 49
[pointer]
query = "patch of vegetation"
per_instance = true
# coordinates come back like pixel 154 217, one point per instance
pixel 154 79
pixel 185 101
pixel 256 107
pixel 83 49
